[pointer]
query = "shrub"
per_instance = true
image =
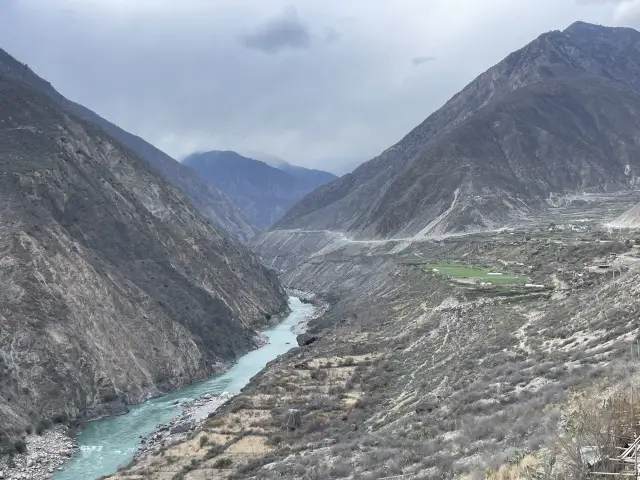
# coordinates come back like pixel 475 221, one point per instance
pixel 60 417
pixel 223 463
pixel 204 439
pixel 19 446
pixel 43 425
pixel 318 374
pixel 275 440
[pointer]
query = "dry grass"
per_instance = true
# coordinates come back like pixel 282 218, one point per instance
pixel 418 376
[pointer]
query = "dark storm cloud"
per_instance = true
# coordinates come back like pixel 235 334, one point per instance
pixel 282 32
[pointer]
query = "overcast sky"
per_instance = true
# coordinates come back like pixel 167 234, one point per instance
pixel 320 83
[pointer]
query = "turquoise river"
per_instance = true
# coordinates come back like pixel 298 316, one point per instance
pixel 106 444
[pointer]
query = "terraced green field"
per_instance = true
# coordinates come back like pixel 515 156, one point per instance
pixel 463 272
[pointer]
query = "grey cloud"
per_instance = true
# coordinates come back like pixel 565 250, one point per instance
pixel 417 61
pixel 176 74
pixel 331 35
pixel 279 33
pixel 600 2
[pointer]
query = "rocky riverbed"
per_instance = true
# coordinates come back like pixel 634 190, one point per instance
pixel 179 429
pixel 307 297
pixel 198 410
pixel 45 454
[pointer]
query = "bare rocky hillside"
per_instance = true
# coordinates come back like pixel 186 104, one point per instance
pixel 552 122
pixel 113 287
pixel 422 371
pixel 214 204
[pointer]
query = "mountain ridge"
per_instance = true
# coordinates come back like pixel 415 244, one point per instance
pixel 114 287
pixel 214 204
pixel 368 202
pixel 263 192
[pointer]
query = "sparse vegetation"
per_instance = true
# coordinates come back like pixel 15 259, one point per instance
pixel 43 425
pixel 417 374
pixel 20 446
pixel 223 463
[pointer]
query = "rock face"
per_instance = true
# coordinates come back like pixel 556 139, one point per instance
pixel 263 192
pixel 209 200
pixel 551 122
pixel 113 287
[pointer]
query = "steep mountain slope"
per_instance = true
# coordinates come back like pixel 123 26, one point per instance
pixel 112 286
pixel 263 192
pixel 628 219
pixel 555 119
pixel 314 178
pixel 209 200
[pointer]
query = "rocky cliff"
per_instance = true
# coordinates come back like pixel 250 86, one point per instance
pixel 113 287
pixel 263 192
pixel 553 121
pixel 209 200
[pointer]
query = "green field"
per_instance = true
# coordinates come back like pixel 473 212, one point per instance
pixel 462 272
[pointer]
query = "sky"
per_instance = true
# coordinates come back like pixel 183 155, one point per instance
pixel 320 83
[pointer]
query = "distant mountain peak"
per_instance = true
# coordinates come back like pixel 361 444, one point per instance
pixel 588 30
pixel 579 25
pixel 262 191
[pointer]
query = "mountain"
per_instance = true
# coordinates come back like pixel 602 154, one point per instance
pixel 552 121
pixel 628 219
pixel 283 165
pixel 263 192
pixel 210 201
pixel 113 287
pixel 314 178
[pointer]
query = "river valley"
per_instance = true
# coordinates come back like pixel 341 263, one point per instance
pixel 108 443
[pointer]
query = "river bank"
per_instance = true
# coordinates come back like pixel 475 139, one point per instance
pixel 200 409
pixel 179 429
pixel 106 444
pixel 44 456
pixel 320 304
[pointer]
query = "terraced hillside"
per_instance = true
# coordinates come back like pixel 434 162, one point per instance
pixel 415 373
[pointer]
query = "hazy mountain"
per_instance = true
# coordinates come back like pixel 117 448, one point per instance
pixel 313 178
pixel 628 219
pixel 262 191
pixel 210 201
pixel 113 287
pixel 278 162
pixel 556 118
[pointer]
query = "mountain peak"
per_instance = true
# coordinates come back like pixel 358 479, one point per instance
pixel 584 28
pixel 262 191
pixel 477 161
pixel 580 26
